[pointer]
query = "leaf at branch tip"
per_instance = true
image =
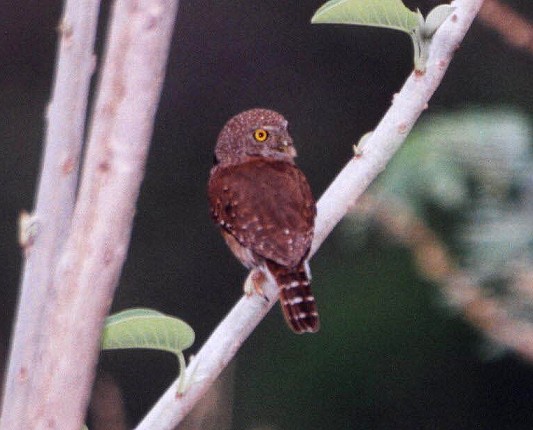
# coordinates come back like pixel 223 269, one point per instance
pixel 435 19
pixel 376 13
pixel 147 329
pixel 391 14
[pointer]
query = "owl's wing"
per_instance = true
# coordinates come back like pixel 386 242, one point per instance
pixel 267 206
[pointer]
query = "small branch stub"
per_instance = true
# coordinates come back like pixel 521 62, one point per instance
pixel 359 146
pixel 28 229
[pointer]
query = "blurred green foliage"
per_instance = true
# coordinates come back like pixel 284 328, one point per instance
pixel 477 162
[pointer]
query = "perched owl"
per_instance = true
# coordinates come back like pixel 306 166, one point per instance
pixel 265 209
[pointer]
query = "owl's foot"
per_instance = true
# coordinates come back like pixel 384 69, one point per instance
pixel 254 282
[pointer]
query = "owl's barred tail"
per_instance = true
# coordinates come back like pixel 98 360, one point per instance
pixel 296 299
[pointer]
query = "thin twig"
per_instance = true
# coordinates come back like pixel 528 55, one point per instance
pixel 90 263
pixel 54 201
pixel 493 316
pixel 225 341
pixel 516 30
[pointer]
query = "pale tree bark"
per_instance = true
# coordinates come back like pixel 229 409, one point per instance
pixel 341 195
pixel 50 375
pixel 54 204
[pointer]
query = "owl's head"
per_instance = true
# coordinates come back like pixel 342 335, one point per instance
pixel 254 133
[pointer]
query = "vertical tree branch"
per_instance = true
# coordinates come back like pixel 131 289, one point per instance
pixel 407 106
pixel 85 278
pixel 54 199
pixel 89 269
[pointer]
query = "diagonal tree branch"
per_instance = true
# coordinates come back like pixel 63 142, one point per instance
pixel 54 199
pixel 342 194
pixel 80 292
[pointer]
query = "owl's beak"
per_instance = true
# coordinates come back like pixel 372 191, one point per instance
pixel 291 150
pixel 288 148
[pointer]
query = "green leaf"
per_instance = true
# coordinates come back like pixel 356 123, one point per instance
pixel 148 329
pixel 376 13
pixel 142 328
pixel 391 14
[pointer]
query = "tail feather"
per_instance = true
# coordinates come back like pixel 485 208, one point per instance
pixel 296 299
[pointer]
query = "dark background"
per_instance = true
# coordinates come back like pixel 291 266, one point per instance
pixel 390 354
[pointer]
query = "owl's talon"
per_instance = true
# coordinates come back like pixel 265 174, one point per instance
pixel 248 286
pixel 254 282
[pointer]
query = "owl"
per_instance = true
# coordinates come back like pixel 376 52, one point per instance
pixel 265 210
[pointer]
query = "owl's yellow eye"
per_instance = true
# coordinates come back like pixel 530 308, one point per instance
pixel 260 135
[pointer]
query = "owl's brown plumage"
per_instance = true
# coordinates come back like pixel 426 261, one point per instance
pixel 265 209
